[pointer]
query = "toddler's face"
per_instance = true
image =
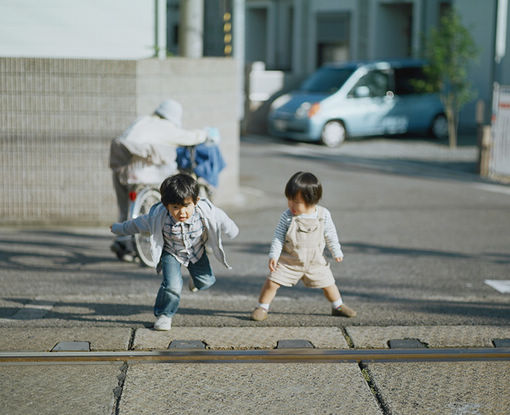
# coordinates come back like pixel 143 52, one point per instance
pixel 298 206
pixel 181 213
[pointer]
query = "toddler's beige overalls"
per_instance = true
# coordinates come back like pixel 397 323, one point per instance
pixel 302 254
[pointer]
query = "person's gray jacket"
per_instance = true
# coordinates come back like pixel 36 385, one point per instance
pixel 216 222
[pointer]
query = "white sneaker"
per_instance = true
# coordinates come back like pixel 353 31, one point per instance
pixel 191 286
pixel 163 323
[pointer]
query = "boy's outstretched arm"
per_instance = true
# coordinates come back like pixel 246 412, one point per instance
pixel 227 225
pixel 130 227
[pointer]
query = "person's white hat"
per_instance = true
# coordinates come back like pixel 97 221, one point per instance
pixel 170 110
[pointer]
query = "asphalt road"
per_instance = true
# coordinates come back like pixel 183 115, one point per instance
pixel 421 234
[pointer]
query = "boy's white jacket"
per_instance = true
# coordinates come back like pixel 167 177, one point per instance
pixel 216 222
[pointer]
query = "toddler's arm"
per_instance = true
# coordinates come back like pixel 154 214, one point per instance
pixel 331 237
pixel 279 237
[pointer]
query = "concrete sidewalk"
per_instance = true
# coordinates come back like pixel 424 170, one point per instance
pixel 45 339
pixel 401 387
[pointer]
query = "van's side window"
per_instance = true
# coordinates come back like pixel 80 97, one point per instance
pixel 405 80
pixel 377 83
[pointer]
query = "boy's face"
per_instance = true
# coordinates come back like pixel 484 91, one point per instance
pixel 181 213
pixel 298 206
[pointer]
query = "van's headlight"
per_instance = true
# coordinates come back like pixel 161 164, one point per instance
pixel 302 111
pixel 307 109
pixel 280 101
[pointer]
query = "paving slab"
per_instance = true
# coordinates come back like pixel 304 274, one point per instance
pixel 443 387
pixel 45 339
pixel 58 389
pixel 372 337
pixel 240 337
pixel 289 388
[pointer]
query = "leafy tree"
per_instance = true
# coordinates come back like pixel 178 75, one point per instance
pixel 449 49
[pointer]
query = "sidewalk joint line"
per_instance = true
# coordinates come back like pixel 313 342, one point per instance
pixel 368 377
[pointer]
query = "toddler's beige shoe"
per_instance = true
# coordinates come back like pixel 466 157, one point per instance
pixel 343 311
pixel 259 314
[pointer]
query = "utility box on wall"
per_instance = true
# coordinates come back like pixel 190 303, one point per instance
pixel 58 117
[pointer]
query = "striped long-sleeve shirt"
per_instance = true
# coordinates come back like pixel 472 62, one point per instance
pixel 330 234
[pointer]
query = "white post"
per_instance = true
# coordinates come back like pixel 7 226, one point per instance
pixel 160 28
pixel 191 28
pixel 239 29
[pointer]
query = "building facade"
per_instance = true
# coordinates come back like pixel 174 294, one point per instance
pixel 297 36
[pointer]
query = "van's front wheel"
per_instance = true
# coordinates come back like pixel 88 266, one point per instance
pixel 439 127
pixel 333 134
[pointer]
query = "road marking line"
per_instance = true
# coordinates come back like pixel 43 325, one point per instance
pixel 494 188
pixel 503 286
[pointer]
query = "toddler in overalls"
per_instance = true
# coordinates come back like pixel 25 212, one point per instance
pixel 297 248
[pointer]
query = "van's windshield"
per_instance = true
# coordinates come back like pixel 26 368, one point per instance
pixel 326 80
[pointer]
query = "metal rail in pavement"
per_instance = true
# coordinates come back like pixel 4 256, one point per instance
pixel 263 356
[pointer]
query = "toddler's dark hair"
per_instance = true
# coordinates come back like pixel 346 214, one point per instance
pixel 176 189
pixel 305 183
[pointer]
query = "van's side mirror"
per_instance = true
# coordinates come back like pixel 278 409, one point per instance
pixel 361 92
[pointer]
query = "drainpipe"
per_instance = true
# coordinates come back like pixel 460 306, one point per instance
pixel 501 22
pixel 499 47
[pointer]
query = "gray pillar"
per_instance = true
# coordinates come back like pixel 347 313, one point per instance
pixel 191 28
pixel 299 40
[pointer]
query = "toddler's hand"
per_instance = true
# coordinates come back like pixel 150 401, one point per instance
pixel 272 264
pixel 339 259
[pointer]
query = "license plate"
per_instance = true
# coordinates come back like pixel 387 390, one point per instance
pixel 280 125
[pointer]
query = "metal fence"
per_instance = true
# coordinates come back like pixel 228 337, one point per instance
pixel 499 164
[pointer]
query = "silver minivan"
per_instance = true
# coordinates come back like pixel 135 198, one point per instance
pixel 358 99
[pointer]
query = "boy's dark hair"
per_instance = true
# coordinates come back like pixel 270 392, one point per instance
pixel 307 185
pixel 176 189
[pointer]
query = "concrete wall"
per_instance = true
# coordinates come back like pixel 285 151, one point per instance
pixel 58 117
pixel 208 90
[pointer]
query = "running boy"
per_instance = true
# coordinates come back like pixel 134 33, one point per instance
pixel 180 226
pixel 297 249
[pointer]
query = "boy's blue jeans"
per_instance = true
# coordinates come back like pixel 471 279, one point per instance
pixel 169 294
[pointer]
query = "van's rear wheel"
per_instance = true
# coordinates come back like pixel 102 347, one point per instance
pixel 439 127
pixel 333 134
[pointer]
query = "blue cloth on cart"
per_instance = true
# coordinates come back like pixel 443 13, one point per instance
pixel 208 161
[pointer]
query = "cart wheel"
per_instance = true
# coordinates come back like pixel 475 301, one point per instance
pixel 142 204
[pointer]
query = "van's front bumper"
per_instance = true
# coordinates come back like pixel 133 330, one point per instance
pixel 295 128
